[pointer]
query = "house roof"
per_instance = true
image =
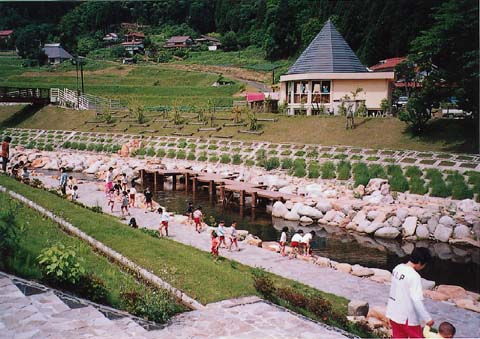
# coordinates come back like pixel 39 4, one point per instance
pixel 6 32
pixel 178 39
pixel 328 53
pixel 54 51
pixel 136 34
pixel 387 64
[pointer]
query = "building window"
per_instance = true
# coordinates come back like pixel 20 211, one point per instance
pixel 289 91
pixel 301 92
pixel 321 92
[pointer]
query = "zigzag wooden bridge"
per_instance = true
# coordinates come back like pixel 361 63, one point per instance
pixel 222 186
pixel 34 95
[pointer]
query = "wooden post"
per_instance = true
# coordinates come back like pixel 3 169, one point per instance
pixel 194 185
pixel 222 194
pixel 155 174
pixel 162 182
pixel 254 199
pixel 242 198
pixel 187 181
pixel 174 182
pixel 142 176
pixel 211 187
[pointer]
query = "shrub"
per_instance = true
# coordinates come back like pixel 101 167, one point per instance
pixel 433 173
pixel 99 147
pixel 93 288
pixel 328 170
pixel 287 163
pixel 212 147
pixel 49 147
pixel 417 185
pixel 151 152
pixel 360 174
pixel 413 171
pixel 293 297
pixel 182 143
pixel 181 154
pixel 286 152
pixel 394 169
pixel 261 157
pixel 319 306
pixel 213 159
pixel 398 182
pixel 313 169
pixel 191 156
pixel 202 157
pixel 458 186
pixel 82 146
pixel 249 162
pixel 60 264
pixel 313 154
pixel 376 171
pixel 299 168
pixel 272 163
pixel 237 159
pixel 9 229
pixel 343 170
pixel 299 153
pixel 225 159
pixel 161 153
pixel 263 284
pixel 171 154
pixel 30 145
pixel 438 188
pixel 90 147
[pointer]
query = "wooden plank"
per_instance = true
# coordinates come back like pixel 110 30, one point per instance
pixel 207 129
pixel 250 132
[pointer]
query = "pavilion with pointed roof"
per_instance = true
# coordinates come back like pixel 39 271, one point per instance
pixel 328 70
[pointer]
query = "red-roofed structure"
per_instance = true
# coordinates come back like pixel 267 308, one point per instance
pixel 387 65
pixel 6 33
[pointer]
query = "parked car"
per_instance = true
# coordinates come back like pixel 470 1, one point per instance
pixel 401 101
pixel 455 113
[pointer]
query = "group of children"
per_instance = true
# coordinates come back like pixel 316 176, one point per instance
pixel 67 185
pixel 20 171
pixel 218 238
pixel 299 242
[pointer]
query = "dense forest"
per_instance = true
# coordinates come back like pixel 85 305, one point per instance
pixel 439 32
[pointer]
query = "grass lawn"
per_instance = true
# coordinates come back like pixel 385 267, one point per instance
pixel 186 268
pixel 39 233
pixel 445 135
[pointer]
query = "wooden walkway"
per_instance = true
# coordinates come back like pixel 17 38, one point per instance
pixel 227 187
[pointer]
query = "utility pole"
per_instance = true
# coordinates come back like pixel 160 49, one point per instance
pixel 81 73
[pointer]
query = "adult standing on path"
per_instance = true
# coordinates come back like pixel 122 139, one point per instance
pixel 5 153
pixel 109 181
pixel 405 307
pixel 63 180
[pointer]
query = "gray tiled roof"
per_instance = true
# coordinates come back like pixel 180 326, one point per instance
pixel 328 53
pixel 54 51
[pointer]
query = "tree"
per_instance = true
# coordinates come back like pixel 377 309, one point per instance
pixel 30 40
pixel 86 45
pixel 230 41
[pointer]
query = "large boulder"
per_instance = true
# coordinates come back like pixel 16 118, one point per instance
pixel 422 232
pixel 432 224
pixel 361 271
pixel 371 215
pixel 359 217
pixel 467 206
pixel 296 207
pixel 374 185
pixel 387 232
pixel 362 226
pixel 447 221
pixel 330 215
pixel 306 220
pixel 293 216
pixel 373 227
pixel 461 232
pixel 442 233
pixel 452 291
pixel 357 308
pixel 343 267
pixel 374 199
pixel 279 209
pixel 323 206
pixel 385 189
pixel 402 213
pixel 310 212
pixel 394 221
pixel 409 226
pixel 253 240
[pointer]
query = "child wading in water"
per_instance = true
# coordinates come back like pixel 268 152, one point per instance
pixel 125 202
pixel 283 241
pixel 233 236
pixel 215 244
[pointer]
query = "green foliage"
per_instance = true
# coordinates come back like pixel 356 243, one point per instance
pixel 182 143
pixel 203 156
pixel 287 163
pixel 398 182
pixel 413 171
pixel 261 157
pixel 61 265
pixel 272 163
pixel 181 154
pixel 360 174
pixel 376 171
pixel 459 188
pixel 225 159
pixel 385 105
pixel 191 156
pixel 9 228
pixel 299 168
pixel 230 41
pixel 438 188
pixel 171 154
pixel 93 288
pixel 161 153
pixel 237 159
pixel 416 113
pixel 328 170
pixel 343 170
pixel 49 147
pixel 417 185
pixel 151 152
pixel 213 158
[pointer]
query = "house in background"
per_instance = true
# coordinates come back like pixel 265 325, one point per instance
pixel 6 35
pixel 182 41
pixel 56 54
pixel 387 65
pixel 213 43
pixel 134 42
pixel 111 37
pixel 326 72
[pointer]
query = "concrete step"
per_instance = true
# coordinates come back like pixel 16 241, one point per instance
pixel 130 327
pixel 48 303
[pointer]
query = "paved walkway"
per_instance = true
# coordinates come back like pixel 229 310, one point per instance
pixel 324 279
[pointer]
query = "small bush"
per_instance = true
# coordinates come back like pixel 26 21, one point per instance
pixel 299 153
pixel 261 157
pixel 212 147
pixel 299 168
pixel 313 154
pixel 225 159
pixel 413 171
pixel 293 297
pixel 360 174
pixel 263 284
pixel 151 152
pixel 202 157
pixel 99 147
pixel 272 163
pixel 376 171
pixel 213 159
pixel 237 159
pixel 90 147
pixel 249 162
pixel 328 170
pixel 171 154
pixel 417 185
pixel 115 148
pixel 438 188
pixel 82 146
pixel 181 154
pixel 343 170
pixel 398 182
pixel 458 186
pixel 287 163
pixel 60 264
pixel 191 156
pixel 182 143
pixel 93 288
pixel 433 174
pixel 161 153
pixel 286 152
pixel 49 147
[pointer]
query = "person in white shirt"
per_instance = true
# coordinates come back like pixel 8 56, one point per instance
pixel 283 241
pixel 405 307
pixel 198 219
pixel 295 243
pixel 306 239
pixel 165 217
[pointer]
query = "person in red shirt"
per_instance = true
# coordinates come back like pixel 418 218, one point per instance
pixel 5 153
pixel 215 244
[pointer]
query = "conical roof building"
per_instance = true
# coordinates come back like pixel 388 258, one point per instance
pixel 327 70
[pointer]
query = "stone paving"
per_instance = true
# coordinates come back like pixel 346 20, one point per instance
pixel 324 279
pixel 45 315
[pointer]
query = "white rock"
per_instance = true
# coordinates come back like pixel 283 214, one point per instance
pixel 372 215
pixel 385 189
pixel 289 204
pixel 290 189
pixel 330 193
pixel 373 227
pixel 310 212
pixel 306 220
pixel 442 233
pixel 395 221
pixel 467 206
pixel 361 271
pixel 402 213
pixel 422 232
pixel 324 206
pixel 432 224
pixel 296 207
pixel 387 232
pixel 446 221
pixel 409 226
pixel 313 190
pixel 359 217
pixel 323 262
pixel 279 209
pixel 351 226
pixel 330 215
pixel 462 232
pixel 373 199
pixel 374 185
pixel 293 216
pixel 362 226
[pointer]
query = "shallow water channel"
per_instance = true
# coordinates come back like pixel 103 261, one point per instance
pixel 452 265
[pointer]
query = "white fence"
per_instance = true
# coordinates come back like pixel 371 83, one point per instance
pixel 65 97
